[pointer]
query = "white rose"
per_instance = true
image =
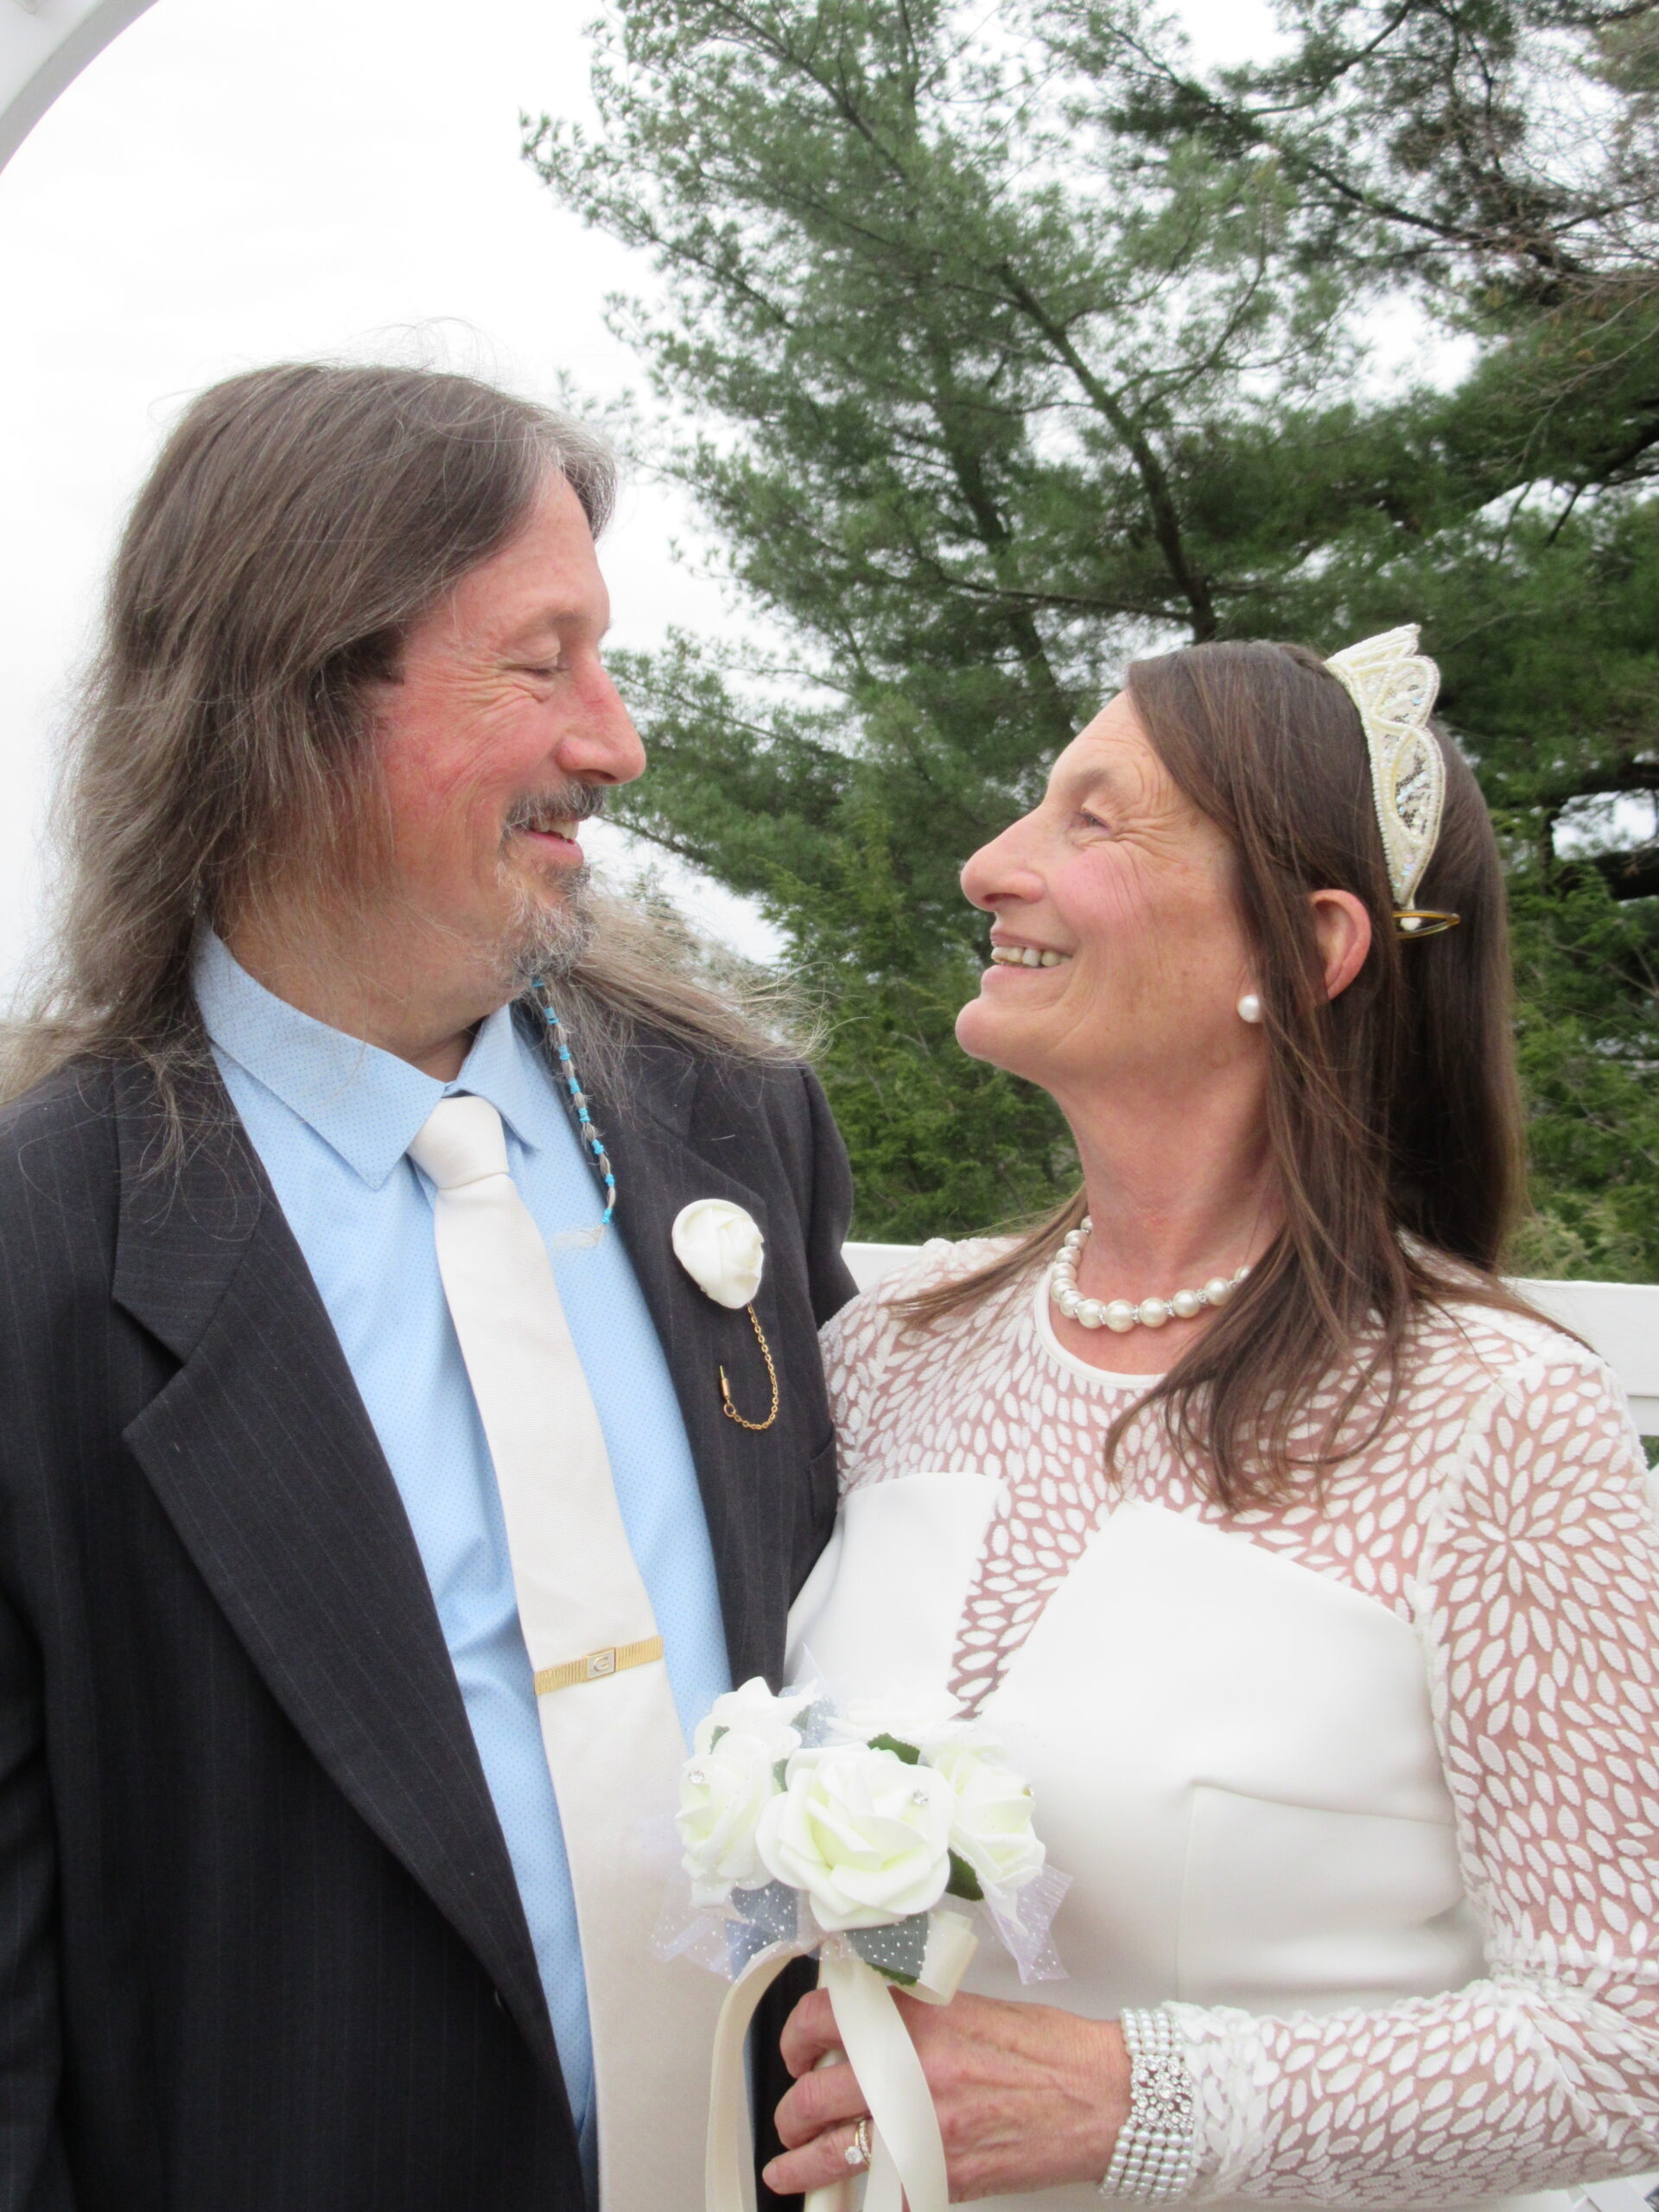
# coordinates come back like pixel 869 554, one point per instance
pixel 723 1791
pixel 867 1836
pixel 753 1710
pixel 720 1249
pixel 990 1824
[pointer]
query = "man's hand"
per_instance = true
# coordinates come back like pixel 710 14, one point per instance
pixel 1027 2097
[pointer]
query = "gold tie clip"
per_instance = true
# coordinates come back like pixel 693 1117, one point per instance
pixel 610 1659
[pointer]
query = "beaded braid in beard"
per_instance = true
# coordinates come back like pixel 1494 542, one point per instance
pixel 593 1143
pixel 546 945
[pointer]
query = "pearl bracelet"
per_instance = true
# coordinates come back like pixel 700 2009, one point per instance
pixel 1155 2155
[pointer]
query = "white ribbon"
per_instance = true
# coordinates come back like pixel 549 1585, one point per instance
pixel 907 2160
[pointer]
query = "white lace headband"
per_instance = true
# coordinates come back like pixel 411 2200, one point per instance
pixel 1395 688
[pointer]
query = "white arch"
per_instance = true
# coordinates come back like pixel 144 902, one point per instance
pixel 44 46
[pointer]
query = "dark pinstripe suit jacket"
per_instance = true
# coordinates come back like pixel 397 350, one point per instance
pixel 260 1945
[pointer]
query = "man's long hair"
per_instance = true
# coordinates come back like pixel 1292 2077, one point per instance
pixel 299 520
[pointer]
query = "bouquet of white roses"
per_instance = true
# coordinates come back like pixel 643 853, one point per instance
pixel 876 1838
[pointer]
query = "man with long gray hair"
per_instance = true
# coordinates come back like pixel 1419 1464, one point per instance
pixel 395 1467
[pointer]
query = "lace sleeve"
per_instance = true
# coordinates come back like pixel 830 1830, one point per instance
pixel 866 1375
pixel 1538 1599
pixel 857 1344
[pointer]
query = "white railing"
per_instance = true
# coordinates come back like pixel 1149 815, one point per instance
pixel 1621 1319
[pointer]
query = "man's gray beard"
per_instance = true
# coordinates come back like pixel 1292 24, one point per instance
pixel 547 943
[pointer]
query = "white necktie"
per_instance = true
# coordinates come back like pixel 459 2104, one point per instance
pixel 608 1724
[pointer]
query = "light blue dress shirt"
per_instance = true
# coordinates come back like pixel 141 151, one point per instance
pixel 331 1120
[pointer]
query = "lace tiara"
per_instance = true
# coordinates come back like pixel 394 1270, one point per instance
pixel 1395 688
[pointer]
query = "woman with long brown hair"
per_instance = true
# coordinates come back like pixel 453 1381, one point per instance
pixel 1307 1573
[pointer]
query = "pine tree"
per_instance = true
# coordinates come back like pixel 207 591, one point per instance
pixel 1007 357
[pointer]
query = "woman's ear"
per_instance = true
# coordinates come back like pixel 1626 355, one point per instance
pixel 1342 925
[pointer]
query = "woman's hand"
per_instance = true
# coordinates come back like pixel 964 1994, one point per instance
pixel 1027 2097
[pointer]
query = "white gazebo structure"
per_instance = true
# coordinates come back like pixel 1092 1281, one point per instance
pixel 45 45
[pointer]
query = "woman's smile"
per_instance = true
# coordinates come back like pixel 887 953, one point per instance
pixel 1021 952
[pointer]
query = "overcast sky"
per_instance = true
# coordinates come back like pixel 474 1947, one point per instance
pixel 236 182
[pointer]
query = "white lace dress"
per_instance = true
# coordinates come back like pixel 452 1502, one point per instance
pixel 1366 1792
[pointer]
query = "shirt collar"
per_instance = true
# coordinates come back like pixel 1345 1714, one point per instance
pixel 367 1105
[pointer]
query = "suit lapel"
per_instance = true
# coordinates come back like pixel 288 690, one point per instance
pixel 745 1479
pixel 263 1457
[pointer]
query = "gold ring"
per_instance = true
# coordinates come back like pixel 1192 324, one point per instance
pixel 857 2152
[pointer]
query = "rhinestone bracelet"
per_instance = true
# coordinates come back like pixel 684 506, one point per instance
pixel 1154 2157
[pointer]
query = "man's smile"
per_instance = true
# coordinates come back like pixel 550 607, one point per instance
pixel 548 826
pixel 554 839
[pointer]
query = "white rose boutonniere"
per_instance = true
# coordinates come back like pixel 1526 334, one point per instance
pixel 722 1249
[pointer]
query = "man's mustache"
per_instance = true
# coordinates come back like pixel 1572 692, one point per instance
pixel 559 802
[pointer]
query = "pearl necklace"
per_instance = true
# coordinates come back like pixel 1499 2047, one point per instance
pixel 1119 1313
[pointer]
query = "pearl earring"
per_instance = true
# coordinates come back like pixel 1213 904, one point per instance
pixel 1249 1007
